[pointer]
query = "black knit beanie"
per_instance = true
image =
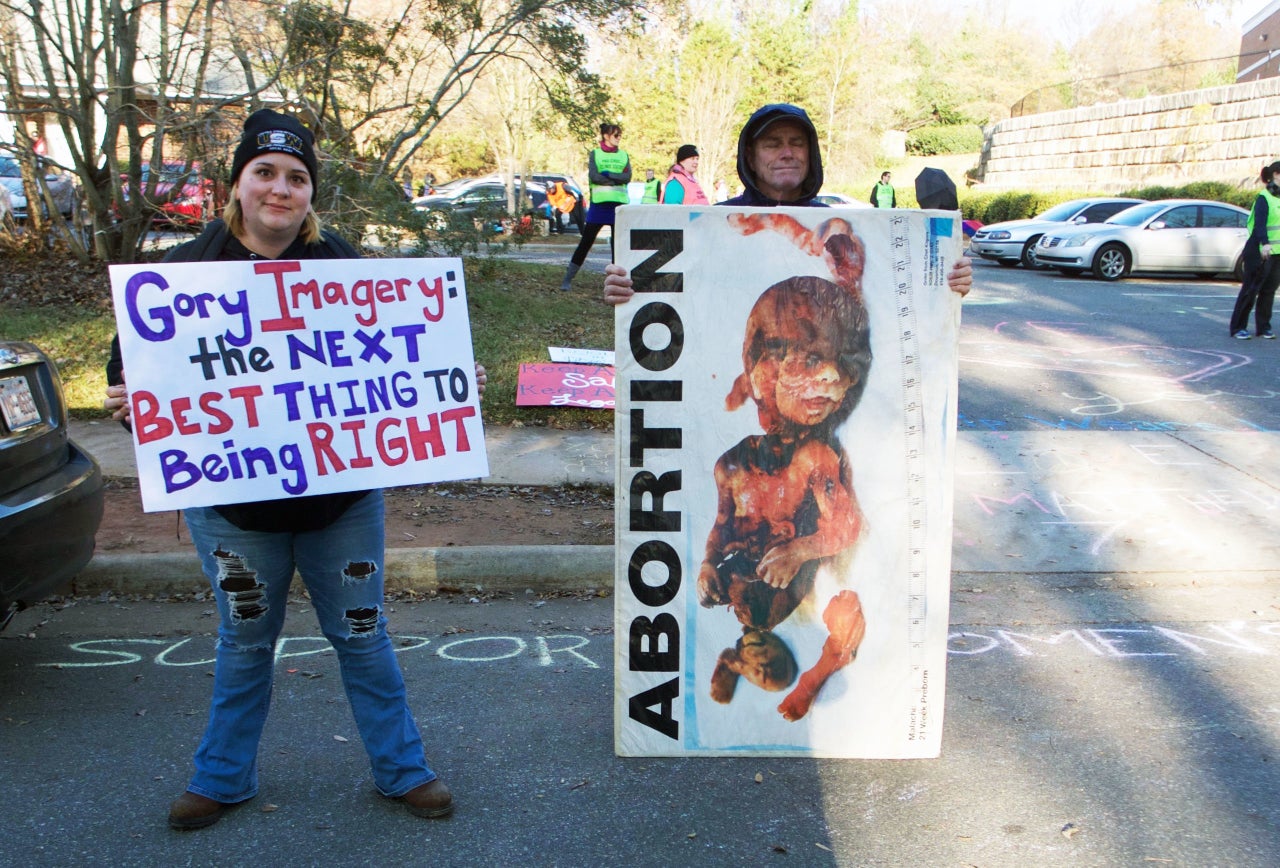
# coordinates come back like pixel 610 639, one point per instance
pixel 267 131
pixel 685 152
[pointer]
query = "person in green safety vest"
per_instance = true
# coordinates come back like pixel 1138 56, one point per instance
pixel 882 194
pixel 652 189
pixel 609 168
pixel 779 164
pixel 1261 275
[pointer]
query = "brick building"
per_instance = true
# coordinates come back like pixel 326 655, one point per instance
pixel 1260 45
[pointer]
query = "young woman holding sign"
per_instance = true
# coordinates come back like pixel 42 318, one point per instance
pixel 249 551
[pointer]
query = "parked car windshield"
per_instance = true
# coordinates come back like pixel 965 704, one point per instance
pixel 10 168
pixel 1061 212
pixel 1138 214
pixel 172 173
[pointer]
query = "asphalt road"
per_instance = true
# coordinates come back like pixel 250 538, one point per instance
pixel 558 250
pixel 1042 351
pixel 1111 695
pixel 1083 727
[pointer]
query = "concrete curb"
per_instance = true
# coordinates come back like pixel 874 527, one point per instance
pixel 490 568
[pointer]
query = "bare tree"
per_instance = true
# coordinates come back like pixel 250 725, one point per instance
pixel 142 82
pixel 127 85
pixel 379 84
pixel 507 106
pixel 32 181
pixel 708 116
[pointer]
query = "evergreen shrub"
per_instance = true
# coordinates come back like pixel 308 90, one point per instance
pixel 952 139
pixel 1017 205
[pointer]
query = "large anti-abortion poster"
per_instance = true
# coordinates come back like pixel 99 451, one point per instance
pixel 266 379
pixel 786 400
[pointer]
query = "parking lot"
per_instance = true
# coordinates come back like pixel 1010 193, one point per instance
pixel 1110 700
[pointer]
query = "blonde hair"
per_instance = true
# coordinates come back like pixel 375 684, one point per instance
pixel 234 218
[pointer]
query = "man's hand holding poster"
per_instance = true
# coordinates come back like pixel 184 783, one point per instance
pixel 265 379
pixel 786 391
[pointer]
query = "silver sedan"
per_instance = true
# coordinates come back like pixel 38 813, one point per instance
pixel 61 187
pixel 1175 235
pixel 1014 241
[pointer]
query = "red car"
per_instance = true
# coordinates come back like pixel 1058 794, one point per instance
pixel 198 201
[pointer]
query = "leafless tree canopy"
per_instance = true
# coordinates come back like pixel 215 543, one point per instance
pixel 396 88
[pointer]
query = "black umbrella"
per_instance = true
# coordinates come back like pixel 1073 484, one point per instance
pixel 935 190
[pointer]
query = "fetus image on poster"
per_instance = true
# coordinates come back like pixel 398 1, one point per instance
pixel 785 499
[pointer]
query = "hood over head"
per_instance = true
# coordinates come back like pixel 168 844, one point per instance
pixel 763 117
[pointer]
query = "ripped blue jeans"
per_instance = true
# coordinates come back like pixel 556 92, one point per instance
pixel 250 572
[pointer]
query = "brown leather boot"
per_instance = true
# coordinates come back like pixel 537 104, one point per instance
pixel 431 800
pixel 193 811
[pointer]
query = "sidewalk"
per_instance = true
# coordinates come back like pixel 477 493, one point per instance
pixel 1090 509
pixel 517 456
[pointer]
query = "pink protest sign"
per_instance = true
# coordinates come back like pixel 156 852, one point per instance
pixel 552 384
pixel 265 379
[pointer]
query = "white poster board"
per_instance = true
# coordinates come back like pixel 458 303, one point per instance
pixel 266 379
pixel 786 400
pixel 580 356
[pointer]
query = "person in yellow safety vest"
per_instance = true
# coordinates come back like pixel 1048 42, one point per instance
pixel 562 202
pixel 1261 275
pixel 652 189
pixel 609 168
pixel 883 194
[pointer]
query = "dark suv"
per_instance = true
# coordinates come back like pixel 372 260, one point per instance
pixel 50 491
pixel 484 202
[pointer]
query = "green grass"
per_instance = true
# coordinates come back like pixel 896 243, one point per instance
pixel 517 311
pixel 78 339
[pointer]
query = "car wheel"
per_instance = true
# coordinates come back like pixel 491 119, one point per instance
pixel 1029 253
pixel 1111 262
pixel 1238 271
pixel 1007 263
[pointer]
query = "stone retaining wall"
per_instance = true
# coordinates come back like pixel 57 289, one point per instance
pixel 1216 134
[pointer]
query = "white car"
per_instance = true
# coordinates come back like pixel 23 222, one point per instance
pixel 1186 235
pixel 840 200
pixel 61 187
pixel 1014 241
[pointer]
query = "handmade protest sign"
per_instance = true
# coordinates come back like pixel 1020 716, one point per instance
pixel 270 378
pixel 560 384
pixel 786 399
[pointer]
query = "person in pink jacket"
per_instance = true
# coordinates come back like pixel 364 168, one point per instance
pixel 681 187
